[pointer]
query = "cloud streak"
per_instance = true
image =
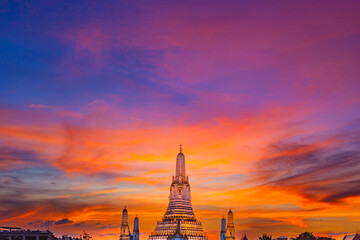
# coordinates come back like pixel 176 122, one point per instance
pixel 323 169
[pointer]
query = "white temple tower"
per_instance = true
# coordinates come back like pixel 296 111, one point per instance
pixel 179 215
pixel 124 229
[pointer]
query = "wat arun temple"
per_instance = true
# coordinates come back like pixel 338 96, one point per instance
pixel 179 209
pixel 179 221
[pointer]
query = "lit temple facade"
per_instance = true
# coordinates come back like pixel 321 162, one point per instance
pixel 230 228
pixel 179 221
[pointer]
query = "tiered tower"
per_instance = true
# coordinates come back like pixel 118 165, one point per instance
pixel 230 229
pixel 124 229
pixel 179 215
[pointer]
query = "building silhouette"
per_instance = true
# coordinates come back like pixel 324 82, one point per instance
pixel 15 233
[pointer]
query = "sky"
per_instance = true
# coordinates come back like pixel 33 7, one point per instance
pixel 96 96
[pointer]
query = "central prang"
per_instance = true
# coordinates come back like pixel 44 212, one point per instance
pixel 179 220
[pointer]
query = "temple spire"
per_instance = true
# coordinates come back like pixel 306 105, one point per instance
pixel 180 165
pixel 170 228
pixel 223 229
pixel 230 229
pixel 124 229
pixel 136 232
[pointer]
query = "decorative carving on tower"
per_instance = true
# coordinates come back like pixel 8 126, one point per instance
pixel 179 214
pixel 178 235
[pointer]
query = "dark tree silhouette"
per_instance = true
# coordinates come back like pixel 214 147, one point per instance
pixel 306 236
pixel 325 238
pixel 85 236
pixel 265 237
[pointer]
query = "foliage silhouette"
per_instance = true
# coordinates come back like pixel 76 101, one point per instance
pixel 265 237
pixel 306 236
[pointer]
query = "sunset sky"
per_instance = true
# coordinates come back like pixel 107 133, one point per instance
pixel 264 96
